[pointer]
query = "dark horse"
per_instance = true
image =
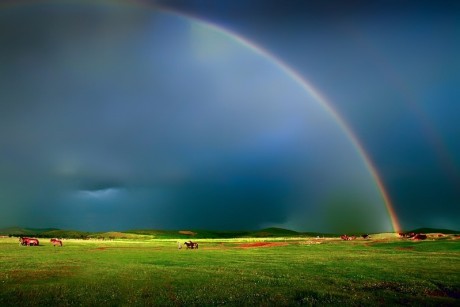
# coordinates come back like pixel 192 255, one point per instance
pixel 191 245
pixel 28 241
pixel 56 242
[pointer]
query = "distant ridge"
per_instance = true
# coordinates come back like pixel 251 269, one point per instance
pixel 434 230
pixel 149 233
pixel 25 231
pixel 43 232
pixel 178 234
pixel 275 232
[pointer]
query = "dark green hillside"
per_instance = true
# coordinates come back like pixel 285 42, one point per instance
pixel 275 232
pixel 19 231
pixel 11 230
pixel 434 230
pixel 210 234
pixel 43 232
pixel 160 234
pixel 188 234
pixel 72 234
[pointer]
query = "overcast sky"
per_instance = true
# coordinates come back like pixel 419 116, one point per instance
pixel 123 116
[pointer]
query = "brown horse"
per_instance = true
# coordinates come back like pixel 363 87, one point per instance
pixel 408 235
pixel 55 242
pixel 29 241
pixel 191 245
pixel 23 240
pixel 347 238
pixel 419 236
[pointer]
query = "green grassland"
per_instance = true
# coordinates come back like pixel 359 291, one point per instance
pixel 144 270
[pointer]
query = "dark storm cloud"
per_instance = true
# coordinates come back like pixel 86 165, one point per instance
pixel 114 117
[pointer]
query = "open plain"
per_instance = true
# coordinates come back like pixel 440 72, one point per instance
pixel 383 270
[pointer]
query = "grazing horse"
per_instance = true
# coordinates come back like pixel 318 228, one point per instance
pixel 408 235
pixel 55 242
pixel 28 241
pixel 413 235
pixel 23 240
pixel 347 238
pixel 191 245
pixel 419 236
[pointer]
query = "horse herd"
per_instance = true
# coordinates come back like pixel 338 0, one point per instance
pixel 349 238
pixel 26 241
pixel 408 235
pixel 413 235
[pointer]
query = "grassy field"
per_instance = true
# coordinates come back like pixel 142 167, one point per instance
pixel 384 270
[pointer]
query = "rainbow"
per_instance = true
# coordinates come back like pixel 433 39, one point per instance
pixel 318 97
pixel 286 69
